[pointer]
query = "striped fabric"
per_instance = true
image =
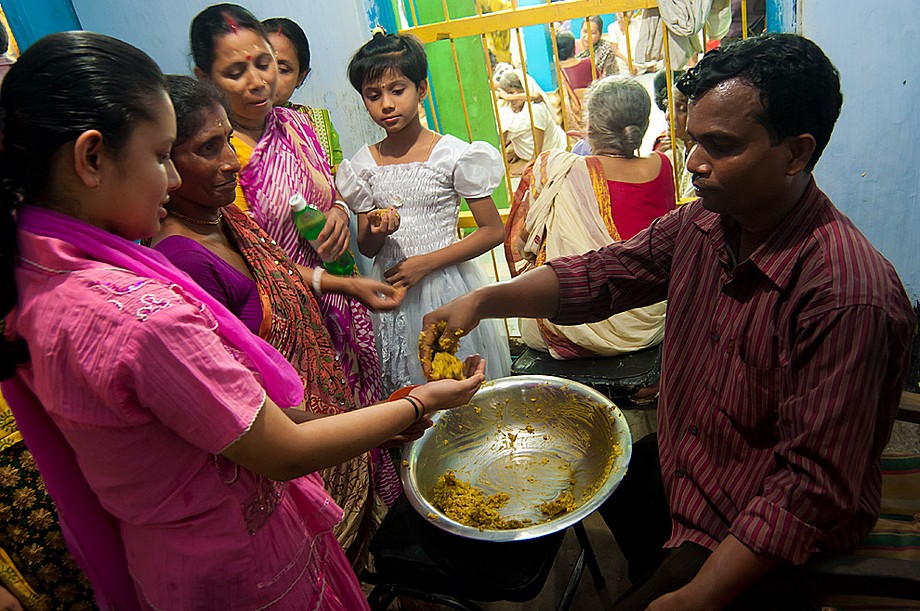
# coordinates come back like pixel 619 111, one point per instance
pixel 288 160
pixel 897 532
pixel 780 375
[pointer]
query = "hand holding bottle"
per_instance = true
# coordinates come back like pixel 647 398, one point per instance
pixel 310 222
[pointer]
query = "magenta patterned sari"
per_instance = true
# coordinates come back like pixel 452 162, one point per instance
pixel 289 159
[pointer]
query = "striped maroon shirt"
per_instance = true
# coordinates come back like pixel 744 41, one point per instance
pixel 780 376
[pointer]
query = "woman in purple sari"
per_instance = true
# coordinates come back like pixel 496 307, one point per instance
pixel 281 156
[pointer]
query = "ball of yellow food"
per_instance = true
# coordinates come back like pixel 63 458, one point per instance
pixel 445 366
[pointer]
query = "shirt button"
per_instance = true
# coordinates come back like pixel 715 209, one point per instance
pixel 680 473
pixel 694 431
pixel 715 336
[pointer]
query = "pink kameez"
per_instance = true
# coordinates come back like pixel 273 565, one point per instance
pixel 138 377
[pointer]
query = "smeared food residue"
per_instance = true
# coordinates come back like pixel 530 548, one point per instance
pixel 469 505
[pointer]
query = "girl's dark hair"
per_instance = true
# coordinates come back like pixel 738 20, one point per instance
pixel 799 86
pixel 385 52
pixel 216 21
pixel 62 86
pixel 293 32
pixel 565 43
pixel 192 99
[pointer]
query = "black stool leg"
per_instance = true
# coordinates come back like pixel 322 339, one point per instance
pixel 565 603
pixel 596 576
pixel 382 596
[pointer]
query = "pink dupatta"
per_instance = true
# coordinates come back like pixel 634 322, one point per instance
pixel 92 533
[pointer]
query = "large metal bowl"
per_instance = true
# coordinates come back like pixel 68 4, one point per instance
pixel 531 437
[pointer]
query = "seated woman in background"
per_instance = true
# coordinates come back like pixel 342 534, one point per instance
pixel 577 70
pixel 576 76
pixel 228 255
pixel 680 149
pixel 567 204
pixel 522 140
pixel 292 49
pixel 605 53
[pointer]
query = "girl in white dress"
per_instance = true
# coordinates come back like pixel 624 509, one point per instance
pixel 406 192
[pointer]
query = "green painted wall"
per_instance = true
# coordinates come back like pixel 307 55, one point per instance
pixel 473 77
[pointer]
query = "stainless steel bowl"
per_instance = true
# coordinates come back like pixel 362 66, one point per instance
pixel 532 437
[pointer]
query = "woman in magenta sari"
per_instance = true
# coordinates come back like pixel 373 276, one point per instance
pixel 154 415
pixel 281 156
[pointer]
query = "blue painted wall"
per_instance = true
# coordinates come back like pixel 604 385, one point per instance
pixel 335 31
pixel 30 20
pixel 870 168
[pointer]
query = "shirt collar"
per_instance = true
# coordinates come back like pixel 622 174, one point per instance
pixel 774 258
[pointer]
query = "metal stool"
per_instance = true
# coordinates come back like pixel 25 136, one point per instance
pixel 416 559
pixel 620 378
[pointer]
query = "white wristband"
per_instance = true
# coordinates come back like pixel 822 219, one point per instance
pixel 317 280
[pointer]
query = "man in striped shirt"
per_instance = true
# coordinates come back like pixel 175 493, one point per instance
pixel 785 349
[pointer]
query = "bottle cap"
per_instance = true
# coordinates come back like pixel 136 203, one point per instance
pixel 297 202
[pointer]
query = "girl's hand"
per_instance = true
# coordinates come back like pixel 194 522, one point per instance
pixel 377 296
pixel 334 237
pixel 411 433
pixel 445 394
pixel 408 272
pixel 383 222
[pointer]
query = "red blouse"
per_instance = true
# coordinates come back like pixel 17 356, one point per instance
pixel 580 75
pixel 635 205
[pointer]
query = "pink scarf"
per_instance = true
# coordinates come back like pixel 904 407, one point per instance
pixel 92 533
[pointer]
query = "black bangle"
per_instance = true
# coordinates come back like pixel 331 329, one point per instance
pixel 415 405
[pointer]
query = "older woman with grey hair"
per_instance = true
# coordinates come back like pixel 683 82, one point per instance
pixel 521 139
pixel 567 204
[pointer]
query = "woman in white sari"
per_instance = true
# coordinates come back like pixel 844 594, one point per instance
pixel 567 204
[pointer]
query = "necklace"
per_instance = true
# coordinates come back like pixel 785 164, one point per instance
pixel 431 141
pixel 188 219
pixel 614 155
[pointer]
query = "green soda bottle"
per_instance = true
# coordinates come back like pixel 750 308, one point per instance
pixel 309 222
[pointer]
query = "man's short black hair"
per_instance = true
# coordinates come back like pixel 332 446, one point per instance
pixel 799 86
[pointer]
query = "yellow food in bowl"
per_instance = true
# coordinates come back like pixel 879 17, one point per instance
pixel 563 503
pixel 469 505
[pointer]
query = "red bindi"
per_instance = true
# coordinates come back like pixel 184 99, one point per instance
pixel 249 58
